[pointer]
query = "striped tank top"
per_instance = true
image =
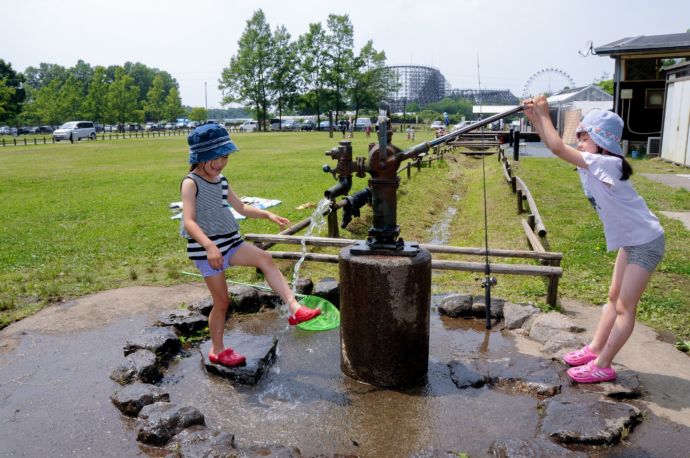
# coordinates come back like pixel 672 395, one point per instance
pixel 213 216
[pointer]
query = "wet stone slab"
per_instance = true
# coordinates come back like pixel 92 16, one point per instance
pixel 260 352
pixel 142 365
pixel 586 418
pixel 161 341
pixel 132 398
pixel 533 376
pixel 186 322
pixel 626 386
pixel 198 440
pixel 160 421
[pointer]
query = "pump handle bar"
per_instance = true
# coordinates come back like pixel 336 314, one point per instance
pixel 426 146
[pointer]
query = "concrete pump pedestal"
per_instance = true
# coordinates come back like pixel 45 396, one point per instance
pixel 384 318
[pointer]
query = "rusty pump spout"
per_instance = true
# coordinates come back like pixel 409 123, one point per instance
pixel 343 154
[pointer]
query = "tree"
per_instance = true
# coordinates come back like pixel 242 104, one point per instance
pixel 42 76
pixel 247 77
pixel 95 105
pixel 14 92
pixel 198 114
pixel 173 105
pixel 70 99
pixel 155 100
pixel 122 97
pixel 313 54
pixel 6 94
pixel 284 81
pixel 371 79
pixel 339 75
pixel 47 103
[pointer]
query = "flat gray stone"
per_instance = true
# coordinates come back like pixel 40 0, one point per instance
pixel 142 365
pixel 163 342
pixel 160 421
pixel 200 441
pixel 468 373
pixel 269 451
pixel 626 386
pixel 479 307
pixel 533 376
pixel 562 342
pixel 456 305
pixel 587 419
pixel 304 286
pixel 515 315
pixel 186 322
pixel 132 398
pixel 546 325
pixel 536 448
pixel 260 352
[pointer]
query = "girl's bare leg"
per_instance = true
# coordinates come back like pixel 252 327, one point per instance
pixel 251 256
pixel 216 319
pixel 608 312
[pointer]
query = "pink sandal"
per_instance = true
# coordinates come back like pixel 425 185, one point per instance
pixel 580 357
pixel 591 373
pixel 228 358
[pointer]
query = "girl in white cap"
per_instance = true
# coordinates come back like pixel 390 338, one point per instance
pixel 213 239
pixel 629 227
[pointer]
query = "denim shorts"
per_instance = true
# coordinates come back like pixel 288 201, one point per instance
pixel 648 255
pixel 208 271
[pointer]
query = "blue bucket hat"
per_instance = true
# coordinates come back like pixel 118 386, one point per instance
pixel 208 142
pixel 604 128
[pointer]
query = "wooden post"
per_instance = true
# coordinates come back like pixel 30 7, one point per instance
pixel 333 224
pixel 519 201
pixel 552 290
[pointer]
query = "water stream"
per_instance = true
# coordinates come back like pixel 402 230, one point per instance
pixel 318 219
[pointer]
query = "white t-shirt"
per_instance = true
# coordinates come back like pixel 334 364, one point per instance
pixel 625 215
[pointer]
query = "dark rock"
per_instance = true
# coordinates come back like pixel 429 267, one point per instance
pixel 587 419
pixel 199 441
pixel 456 305
pixel 546 325
pixel 304 286
pixel 260 352
pixel 479 307
pixel 515 315
pixel 626 386
pixel 132 398
pixel 468 373
pixel 269 299
pixel 269 451
pixel 244 299
pixel 162 341
pixel 537 447
pixel 329 289
pixel 141 365
pixel 533 376
pixel 203 306
pixel 186 322
pixel 160 421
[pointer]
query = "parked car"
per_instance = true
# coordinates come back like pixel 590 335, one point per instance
pixel 75 130
pixel 109 128
pixel 249 126
pixel 462 124
pixel 308 125
pixel 45 129
pixel 192 124
pixel 99 128
pixel 289 124
pixel 324 125
pixel 437 125
pixel 24 130
pixel 151 126
pixel 362 123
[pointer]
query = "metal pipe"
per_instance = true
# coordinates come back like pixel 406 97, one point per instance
pixel 423 147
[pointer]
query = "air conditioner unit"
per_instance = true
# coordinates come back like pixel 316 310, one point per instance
pixel 653 146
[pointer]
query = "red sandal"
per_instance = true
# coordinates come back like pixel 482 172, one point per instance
pixel 227 357
pixel 303 314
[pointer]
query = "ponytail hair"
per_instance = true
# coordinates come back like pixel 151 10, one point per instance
pixel 627 168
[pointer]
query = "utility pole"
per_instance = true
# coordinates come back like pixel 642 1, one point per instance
pixel 205 98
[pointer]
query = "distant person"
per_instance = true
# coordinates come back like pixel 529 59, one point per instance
pixel 410 133
pixel 629 227
pixel 343 127
pixel 213 238
pixel 367 130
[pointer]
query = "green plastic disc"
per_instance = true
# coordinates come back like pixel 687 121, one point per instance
pixel 329 318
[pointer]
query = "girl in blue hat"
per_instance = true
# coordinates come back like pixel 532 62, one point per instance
pixel 213 239
pixel 629 227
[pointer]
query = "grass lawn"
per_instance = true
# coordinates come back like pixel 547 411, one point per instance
pixel 91 216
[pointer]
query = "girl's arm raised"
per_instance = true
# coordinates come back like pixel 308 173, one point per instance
pixel 537 111
pixel 253 212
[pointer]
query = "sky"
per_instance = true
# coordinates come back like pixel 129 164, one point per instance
pixel 488 44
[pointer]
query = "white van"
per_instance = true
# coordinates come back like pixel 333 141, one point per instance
pixel 75 131
pixel 248 126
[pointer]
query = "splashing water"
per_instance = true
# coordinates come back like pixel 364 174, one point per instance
pixel 318 219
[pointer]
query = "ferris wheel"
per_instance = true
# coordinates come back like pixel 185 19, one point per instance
pixel 547 81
